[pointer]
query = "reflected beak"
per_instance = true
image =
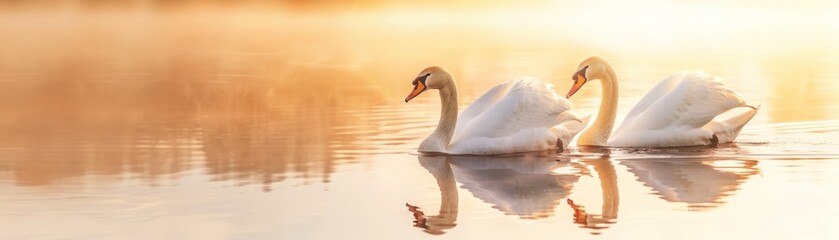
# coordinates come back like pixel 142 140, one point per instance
pixel 419 88
pixel 579 79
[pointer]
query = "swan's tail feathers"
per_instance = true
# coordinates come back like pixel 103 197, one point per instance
pixel 575 127
pixel 566 116
pixel 563 135
pixel 584 120
pixel 566 131
pixel 728 129
pixel 752 107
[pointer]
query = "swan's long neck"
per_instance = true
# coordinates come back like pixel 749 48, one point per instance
pixel 448 114
pixel 442 136
pixel 598 133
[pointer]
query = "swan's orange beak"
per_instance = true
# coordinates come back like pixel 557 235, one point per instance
pixel 418 88
pixel 579 79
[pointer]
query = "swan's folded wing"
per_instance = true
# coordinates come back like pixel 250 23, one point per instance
pixel 660 90
pixel 481 104
pixel 693 102
pixel 529 103
pixel 538 105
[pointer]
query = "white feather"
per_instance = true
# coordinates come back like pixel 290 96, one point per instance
pixel 679 112
pixel 520 115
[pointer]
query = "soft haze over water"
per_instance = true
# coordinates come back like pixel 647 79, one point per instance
pixel 213 120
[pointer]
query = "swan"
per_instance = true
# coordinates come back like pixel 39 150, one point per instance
pixel 520 115
pixel 679 111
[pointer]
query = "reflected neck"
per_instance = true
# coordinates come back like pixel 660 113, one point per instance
pixel 598 133
pixel 609 187
pixel 442 136
pixel 440 168
pixel 448 202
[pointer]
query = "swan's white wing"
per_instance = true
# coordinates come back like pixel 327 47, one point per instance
pixel 519 121
pixel 529 103
pixel 696 100
pixel 481 104
pixel 536 106
pixel 660 90
pixel 679 114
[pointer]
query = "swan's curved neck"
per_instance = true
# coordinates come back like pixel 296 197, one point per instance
pixel 448 114
pixel 598 133
pixel 442 136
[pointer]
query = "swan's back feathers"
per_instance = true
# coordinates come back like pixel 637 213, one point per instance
pixel 483 102
pixel 693 99
pixel 680 102
pixel 660 90
pixel 696 100
pixel 538 105
pixel 526 103
pixel 516 120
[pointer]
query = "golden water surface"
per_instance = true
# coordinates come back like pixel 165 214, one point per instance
pixel 147 121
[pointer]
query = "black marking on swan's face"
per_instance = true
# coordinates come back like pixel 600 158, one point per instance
pixel 579 78
pixel 580 74
pixel 421 79
pixel 419 86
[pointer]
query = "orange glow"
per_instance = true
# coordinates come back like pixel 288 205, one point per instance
pixel 285 119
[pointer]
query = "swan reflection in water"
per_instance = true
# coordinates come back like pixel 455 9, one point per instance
pixel 702 183
pixel 609 191
pixel 528 186
pixel 445 219
pixel 532 186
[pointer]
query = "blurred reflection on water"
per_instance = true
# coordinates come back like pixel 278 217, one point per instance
pixel 699 182
pixel 610 196
pixel 253 131
pixel 531 185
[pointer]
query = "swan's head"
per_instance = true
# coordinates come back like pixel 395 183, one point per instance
pixel 430 78
pixel 591 69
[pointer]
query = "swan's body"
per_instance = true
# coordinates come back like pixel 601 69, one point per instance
pixel 679 111
pixel 520 115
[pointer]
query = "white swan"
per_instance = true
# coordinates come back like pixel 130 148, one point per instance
pixel 521 115
pixel 679 111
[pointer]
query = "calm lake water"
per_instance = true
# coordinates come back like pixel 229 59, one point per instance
pixel 248 124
